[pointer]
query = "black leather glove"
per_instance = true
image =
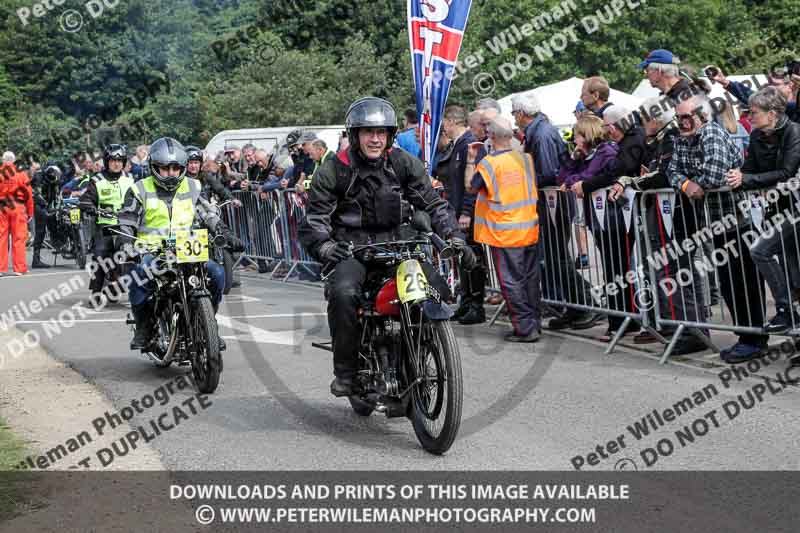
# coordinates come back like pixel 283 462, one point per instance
pixel 468 259
pixel 333 252
pixel 126 245
pixel 235 244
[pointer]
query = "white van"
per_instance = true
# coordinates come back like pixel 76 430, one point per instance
pixel 269 139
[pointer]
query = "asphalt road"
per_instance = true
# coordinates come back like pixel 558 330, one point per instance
pixel 529 407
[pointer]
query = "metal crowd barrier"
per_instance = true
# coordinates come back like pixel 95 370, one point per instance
pixel 268 228
pixel 696 246
pixel 671 264
pixel 611 284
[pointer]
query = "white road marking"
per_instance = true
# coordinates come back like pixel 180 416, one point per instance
pixel 88 320
pixel 240 298
pixel 222 320
pixel 279 315
pixel 257 334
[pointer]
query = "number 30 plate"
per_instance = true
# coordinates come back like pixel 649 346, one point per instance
pixel 75 216
pixel 192 246
pixel 412 284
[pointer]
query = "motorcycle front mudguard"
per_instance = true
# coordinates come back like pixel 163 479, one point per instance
pixel 436 310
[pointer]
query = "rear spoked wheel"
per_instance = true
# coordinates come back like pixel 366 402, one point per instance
pixel 164 344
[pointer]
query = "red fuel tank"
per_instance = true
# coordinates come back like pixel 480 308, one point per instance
pixel 388 303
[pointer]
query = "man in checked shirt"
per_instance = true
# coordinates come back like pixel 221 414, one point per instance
pixel 703 155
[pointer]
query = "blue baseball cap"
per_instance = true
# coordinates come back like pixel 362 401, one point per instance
pixel 659 56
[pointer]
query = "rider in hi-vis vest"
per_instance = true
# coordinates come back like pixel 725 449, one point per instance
pixel 156 208
pixel 103 196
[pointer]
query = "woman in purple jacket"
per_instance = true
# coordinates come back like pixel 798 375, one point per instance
pixel 592 158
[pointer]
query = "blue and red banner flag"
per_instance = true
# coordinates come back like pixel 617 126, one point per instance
pixel 435 29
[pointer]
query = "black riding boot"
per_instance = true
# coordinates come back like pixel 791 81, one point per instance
pixel 144 330
pixel 37 260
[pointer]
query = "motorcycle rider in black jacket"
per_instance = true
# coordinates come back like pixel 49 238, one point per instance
pixel 46 186
pixel 362 196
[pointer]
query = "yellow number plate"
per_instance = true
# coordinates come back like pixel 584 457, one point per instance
pixel 75 216
pixel 412 284
pixel 192 246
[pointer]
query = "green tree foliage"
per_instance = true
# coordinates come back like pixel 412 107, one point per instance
pixel 259 93
pixel 593 39
pixel 189 68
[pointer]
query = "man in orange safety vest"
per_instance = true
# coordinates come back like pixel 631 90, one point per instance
pixel 507 221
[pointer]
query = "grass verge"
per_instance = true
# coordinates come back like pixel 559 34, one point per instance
pixel 12 451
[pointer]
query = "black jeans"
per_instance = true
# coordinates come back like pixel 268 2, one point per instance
pixel 345 295
pixel 103 248
pixel 43 222
pixel 782 241
pixel 741 286
pixel 473 282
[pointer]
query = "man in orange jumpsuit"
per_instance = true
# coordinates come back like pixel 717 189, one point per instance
pixel 16 207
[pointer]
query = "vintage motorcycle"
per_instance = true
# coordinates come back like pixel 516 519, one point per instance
pixel 409 361
pixel 223 255
pixel 70 230
pixel 185 329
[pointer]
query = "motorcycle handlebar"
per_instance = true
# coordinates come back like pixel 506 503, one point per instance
pixel 437 242
pixel 445 251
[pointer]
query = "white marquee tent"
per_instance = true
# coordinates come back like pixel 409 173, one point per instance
pixel 558 101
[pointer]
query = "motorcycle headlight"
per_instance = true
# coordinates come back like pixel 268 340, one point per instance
pixel 194 282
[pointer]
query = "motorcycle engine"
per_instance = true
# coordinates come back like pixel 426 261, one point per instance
pixel 387 350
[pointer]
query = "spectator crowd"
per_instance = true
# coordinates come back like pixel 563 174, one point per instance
pixel 708 152
pixel 499 179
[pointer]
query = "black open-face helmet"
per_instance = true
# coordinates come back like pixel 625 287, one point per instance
pixel 164 152
pixel 370 112
pixel 193 153
pixel 52 173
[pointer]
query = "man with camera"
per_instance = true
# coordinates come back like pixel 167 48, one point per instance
pixel 786 79
pixel 229 166
pixel 196 169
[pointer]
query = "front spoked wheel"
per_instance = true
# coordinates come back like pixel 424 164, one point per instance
pixel 80 248
pixel 438 397
pixel 227 264
pixel 207 362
